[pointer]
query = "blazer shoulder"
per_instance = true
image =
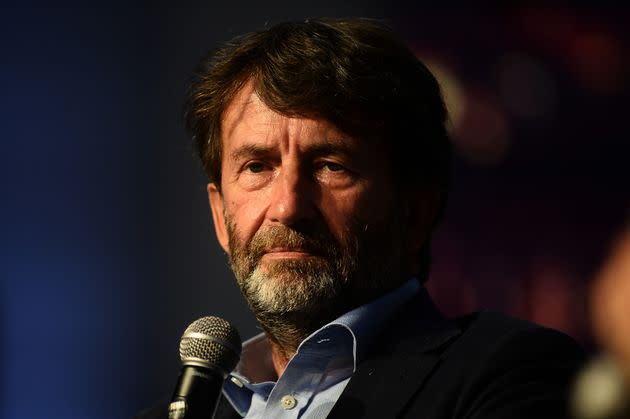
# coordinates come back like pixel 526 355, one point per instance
pixel 500 367
pixel 502 340
pixel 494 323
pixel 491 330
pixel 508 367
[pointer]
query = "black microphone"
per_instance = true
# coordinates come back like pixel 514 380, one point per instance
pixel 209 349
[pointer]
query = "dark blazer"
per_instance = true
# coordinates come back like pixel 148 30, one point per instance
pixel 483 366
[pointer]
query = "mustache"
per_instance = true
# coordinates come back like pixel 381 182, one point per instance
pixel 317 242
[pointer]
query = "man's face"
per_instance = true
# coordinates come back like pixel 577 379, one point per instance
pixel 306 213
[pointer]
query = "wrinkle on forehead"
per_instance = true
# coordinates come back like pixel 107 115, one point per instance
pixel 247 104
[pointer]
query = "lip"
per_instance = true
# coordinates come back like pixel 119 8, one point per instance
pixel 288 253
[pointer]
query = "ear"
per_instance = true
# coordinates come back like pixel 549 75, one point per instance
pixel 218 216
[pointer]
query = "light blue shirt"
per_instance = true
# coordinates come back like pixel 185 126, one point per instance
pixel 320 369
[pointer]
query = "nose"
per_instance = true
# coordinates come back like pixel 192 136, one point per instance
pixel 292 196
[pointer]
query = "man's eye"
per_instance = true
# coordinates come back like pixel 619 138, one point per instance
pixel 332 167
pixel 254 167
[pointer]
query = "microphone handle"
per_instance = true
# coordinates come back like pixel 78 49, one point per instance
pixel 196 393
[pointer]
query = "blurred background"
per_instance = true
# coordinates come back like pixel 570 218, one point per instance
pixel 108 247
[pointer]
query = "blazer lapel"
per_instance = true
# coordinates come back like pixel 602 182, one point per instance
pixel 396 368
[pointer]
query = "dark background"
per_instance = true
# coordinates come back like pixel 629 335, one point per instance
pixel 108 247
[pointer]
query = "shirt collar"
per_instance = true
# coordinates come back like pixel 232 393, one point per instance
pixel 255 372
pixel 364 322
pixel 367 321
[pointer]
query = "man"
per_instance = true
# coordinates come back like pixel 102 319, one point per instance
pixel 602 387
pixel 610 302
pixel 328 159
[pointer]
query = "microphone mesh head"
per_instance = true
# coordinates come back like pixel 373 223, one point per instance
pixel 211 342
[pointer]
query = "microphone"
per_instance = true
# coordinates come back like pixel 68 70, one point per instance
pixel 209 349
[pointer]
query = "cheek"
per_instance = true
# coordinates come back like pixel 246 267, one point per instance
pixel 246 212
pixel 363 206
pixel 376 200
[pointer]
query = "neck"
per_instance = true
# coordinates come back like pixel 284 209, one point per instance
pixel 280 359
pixel 287 331
pixel 285 334
pixel 284 342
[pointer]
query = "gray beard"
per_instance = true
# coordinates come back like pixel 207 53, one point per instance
pixel 293 298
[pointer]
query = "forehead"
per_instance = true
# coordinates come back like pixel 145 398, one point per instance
pixel 248 119
pixel 245 104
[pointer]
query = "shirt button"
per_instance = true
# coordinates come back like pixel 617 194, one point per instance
pixel 288 402
pixel 236 381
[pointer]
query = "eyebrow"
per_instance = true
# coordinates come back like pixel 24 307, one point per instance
pixel 338 146
pixel 249 150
